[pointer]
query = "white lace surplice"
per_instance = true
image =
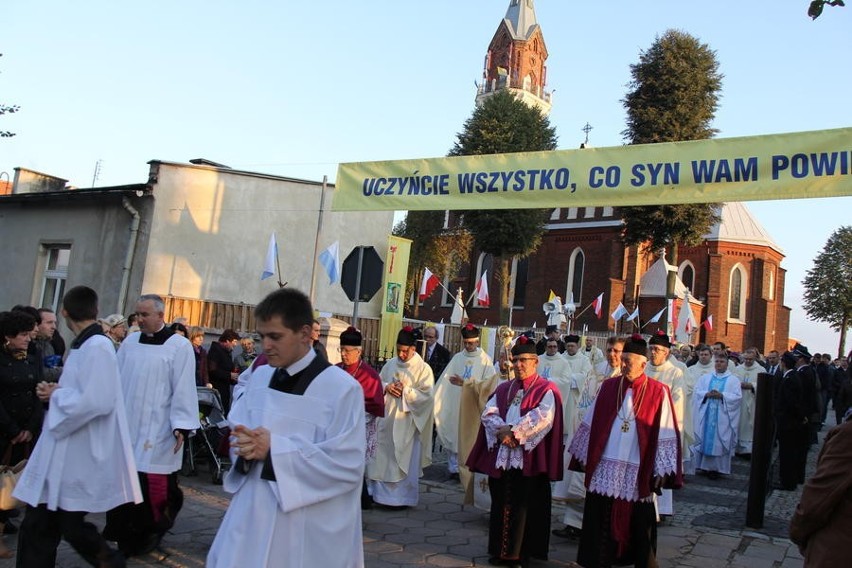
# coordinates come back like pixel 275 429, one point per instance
pixel 529 429
pixel 617 473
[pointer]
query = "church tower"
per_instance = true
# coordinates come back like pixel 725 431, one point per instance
pixel 516 57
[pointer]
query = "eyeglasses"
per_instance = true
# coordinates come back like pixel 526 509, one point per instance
pixel 348 349
pixel 524 359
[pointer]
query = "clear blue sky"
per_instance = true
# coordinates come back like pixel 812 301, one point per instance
pixel 294 88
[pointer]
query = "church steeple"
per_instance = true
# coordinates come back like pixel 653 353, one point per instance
pixel 516 58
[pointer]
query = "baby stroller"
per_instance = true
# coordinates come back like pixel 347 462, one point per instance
pixel 211 440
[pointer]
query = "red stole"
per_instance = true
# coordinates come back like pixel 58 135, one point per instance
pixel 546 457
pixel 647 426
pixel 371 382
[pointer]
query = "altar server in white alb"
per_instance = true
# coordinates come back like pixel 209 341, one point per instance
pixel 716 411
pixel 405 433
pixel 157 368
pixel 467 383
pixel 298 444
pixel 83 462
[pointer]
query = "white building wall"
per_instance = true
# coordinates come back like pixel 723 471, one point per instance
pixel 211 228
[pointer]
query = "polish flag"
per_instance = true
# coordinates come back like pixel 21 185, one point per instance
pixel 428 285
pixel 598 305
pixel 482 291
pixel 708 323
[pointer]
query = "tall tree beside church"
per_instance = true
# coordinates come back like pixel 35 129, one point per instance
pixel 674 93
pixel 7 109
pixel 441 250
pixel 828 285
pixel 503 124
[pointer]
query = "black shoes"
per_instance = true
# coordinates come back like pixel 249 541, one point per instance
pixel 566 532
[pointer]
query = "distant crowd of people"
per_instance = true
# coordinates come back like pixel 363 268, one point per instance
pixel 607 432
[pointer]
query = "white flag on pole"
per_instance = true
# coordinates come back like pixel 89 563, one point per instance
pixel 271 255
pixel 619 312
pixel 330 260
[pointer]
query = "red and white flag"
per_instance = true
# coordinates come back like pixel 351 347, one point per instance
pixel 598 306
pixel 482 291
pixel 428 285
pixel 708 323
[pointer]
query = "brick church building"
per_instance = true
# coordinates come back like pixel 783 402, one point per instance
pixel 734 277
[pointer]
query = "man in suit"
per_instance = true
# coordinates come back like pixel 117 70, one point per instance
pixel 437 356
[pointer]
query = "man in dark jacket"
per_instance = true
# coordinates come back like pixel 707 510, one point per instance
pixel 220 365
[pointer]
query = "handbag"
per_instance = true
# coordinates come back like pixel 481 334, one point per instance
pixel 9 475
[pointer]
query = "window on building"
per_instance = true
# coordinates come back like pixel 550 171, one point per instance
pixel 576 267
pixel 572 213
pixel 55 275
pixel 589 213
pixel 771 283
pixel 607 212
pixel 686 273
pixel 737 294
pixel 520 270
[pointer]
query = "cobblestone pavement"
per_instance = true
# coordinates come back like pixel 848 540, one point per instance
pixel 707 531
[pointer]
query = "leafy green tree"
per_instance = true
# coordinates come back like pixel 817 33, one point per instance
pixel 443 251
pixel 7 109
pixel 815 8
pixel 828 285
pixel 674 94
pixel 503 124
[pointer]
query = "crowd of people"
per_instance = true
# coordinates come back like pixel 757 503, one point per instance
pixel 607 432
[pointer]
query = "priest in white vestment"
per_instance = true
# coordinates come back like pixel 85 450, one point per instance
pixel 157 368
pixel 747 373
pixel 716 412
pixel 661 368
pixel 467 383
pixel 703 366
pixel 405 433
pixel 83 461
pixel 578 387
pixel 298 445
pixel 593 352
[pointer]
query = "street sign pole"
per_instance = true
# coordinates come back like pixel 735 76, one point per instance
pixel 358 286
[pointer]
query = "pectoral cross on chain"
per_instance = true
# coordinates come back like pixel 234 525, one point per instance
pixel 625 427
pixel 147 445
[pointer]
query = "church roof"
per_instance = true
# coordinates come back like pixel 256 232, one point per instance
pixel 520 18
pixel 737 225
pixel 653 282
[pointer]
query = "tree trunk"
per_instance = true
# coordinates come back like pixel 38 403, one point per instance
pixel 503 280
pixel 841 348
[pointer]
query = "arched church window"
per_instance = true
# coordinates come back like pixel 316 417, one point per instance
pixel 485 263
pixel 737 293
pixel 686 273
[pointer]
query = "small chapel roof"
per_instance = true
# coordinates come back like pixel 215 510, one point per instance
pixel 737 225
pixel 653 282
pixel 520 18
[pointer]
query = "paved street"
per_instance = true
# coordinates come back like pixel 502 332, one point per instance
pixel 707 531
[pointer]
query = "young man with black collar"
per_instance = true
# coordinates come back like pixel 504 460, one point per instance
pixel 83 461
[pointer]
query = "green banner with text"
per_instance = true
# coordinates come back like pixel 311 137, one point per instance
pixel 752 168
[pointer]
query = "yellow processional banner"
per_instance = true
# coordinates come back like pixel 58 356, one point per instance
pixel 393 282
pixel 752 168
